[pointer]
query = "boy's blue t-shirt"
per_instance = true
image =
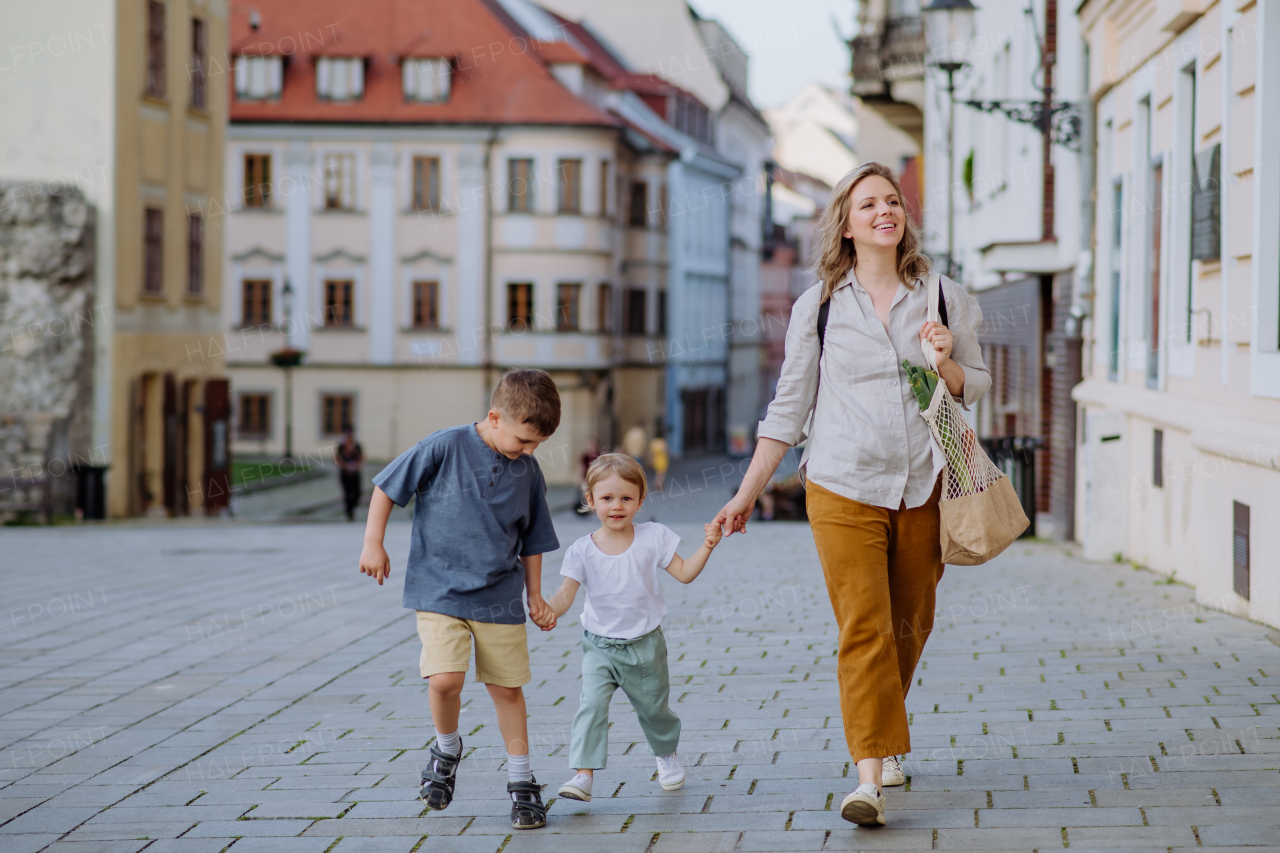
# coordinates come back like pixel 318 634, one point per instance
pixel 476 514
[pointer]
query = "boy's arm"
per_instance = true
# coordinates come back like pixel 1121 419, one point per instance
pixel 373 557
pixel 539 611
pixel 686 570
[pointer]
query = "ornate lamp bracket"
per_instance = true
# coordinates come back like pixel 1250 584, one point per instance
pixel 1059 119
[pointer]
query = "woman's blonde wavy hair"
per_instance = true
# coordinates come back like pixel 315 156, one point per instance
pixel 836 253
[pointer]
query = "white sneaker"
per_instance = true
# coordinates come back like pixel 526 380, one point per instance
pixel 670 772
pixel 865 806
pixel 577 788
pixel 892 773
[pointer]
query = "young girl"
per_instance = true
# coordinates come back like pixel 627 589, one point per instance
pixel 622 643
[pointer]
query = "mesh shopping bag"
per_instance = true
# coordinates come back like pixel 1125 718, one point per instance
pixel 979 512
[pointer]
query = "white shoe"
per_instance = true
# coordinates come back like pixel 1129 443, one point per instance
pixel 892 774
pixel 577 788
pixel 670 772
pixel 865 806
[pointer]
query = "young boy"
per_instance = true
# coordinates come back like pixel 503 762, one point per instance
pixel 480 527
pixel 622 643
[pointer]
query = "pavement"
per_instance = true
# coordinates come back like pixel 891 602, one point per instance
pixel 235 685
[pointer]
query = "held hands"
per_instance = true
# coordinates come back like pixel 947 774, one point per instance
pixel 940 337
pixel 541 613
pixel 733 518
pixel 712 534
pixel 374 562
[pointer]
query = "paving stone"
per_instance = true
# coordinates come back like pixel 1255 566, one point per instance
pixel 323 714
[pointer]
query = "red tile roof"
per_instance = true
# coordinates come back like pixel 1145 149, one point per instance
pixel 498 76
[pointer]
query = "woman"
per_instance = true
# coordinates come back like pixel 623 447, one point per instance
pixel 871 464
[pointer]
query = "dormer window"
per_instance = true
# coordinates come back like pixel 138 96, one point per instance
pixel 427 80
pixel 340 78
pixel 258 78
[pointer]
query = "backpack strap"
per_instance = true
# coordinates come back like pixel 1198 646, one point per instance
pixel 824 311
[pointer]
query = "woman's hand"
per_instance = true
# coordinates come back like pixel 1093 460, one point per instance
pixel 733 517
pixel 940 337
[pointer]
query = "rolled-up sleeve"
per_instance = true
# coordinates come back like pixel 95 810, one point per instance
pixel 798 383
pixel 965 319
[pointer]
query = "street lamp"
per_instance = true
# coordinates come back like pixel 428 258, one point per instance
pixel 948 29
pixel 287 359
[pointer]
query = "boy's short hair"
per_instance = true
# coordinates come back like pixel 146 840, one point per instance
pixel 528 397
pixel 622 465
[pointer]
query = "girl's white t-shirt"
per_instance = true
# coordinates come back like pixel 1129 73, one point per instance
pixel 623 600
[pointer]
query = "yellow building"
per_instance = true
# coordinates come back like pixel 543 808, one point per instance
pixel 127 100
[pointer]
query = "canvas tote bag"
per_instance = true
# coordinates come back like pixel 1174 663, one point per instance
pixel 979 513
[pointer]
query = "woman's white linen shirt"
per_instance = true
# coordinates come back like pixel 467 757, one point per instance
pixel 866 440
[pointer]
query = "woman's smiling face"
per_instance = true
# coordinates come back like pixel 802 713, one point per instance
pixel 876 215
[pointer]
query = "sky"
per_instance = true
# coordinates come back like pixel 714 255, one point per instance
pixel 787 48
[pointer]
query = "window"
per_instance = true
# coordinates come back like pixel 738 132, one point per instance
pixel 569 197
pixel 255 302
pixel 1240 548
pixel 426 183
pixel 255 415
pixel 198 52
pixel 155 49
pixel 257 180
pixel 340 78
pixel 259 78
pixel 339 182
pixel 520 186
pixel 604 187
pixel 195 254
pixel 426 80
pixel 519 307
pixel 337 411
pixel 1157 458
pixel 567 298
pixel 636 304
pixel 339 304
pixel 1117 232
pixel 604 308
pixel 662 313
pixel 639 191
pixel 426 304
pixel 691 117
pixel 662 207
pixel 153 260
pixel 1153 308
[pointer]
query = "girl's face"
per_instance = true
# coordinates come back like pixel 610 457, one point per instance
pixel 876 215
pixel 615 502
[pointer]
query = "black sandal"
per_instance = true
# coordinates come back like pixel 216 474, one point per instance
pixel 527 810
pixel 438 778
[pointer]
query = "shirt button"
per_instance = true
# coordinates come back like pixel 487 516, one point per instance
pixel 902 444
pixel 495 469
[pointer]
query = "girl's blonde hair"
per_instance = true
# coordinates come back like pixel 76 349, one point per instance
pixel 836 252
pixel 622 465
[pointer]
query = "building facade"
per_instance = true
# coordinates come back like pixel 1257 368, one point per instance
pixel 1003 200
pixel 124 101
pixel 1180 429
pixel 668 40
pixel 417 219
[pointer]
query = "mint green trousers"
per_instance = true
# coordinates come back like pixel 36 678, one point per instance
pixel 639 667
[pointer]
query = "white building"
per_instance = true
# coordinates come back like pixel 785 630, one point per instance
pixel 668 39
pixel 1180 441
pixel 441 215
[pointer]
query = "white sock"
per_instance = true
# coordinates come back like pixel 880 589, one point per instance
pixel 518 768
pixel 867 787
pixel 449 743
pixel 582 782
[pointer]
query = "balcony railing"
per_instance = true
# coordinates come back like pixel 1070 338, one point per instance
pixel 895 51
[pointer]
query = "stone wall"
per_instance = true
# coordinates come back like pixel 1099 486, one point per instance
pixel 47 320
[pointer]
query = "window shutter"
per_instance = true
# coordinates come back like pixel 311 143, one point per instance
pixel 1206 204
pixel 1240 548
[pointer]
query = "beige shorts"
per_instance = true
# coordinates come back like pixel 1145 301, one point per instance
pixel 502 651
